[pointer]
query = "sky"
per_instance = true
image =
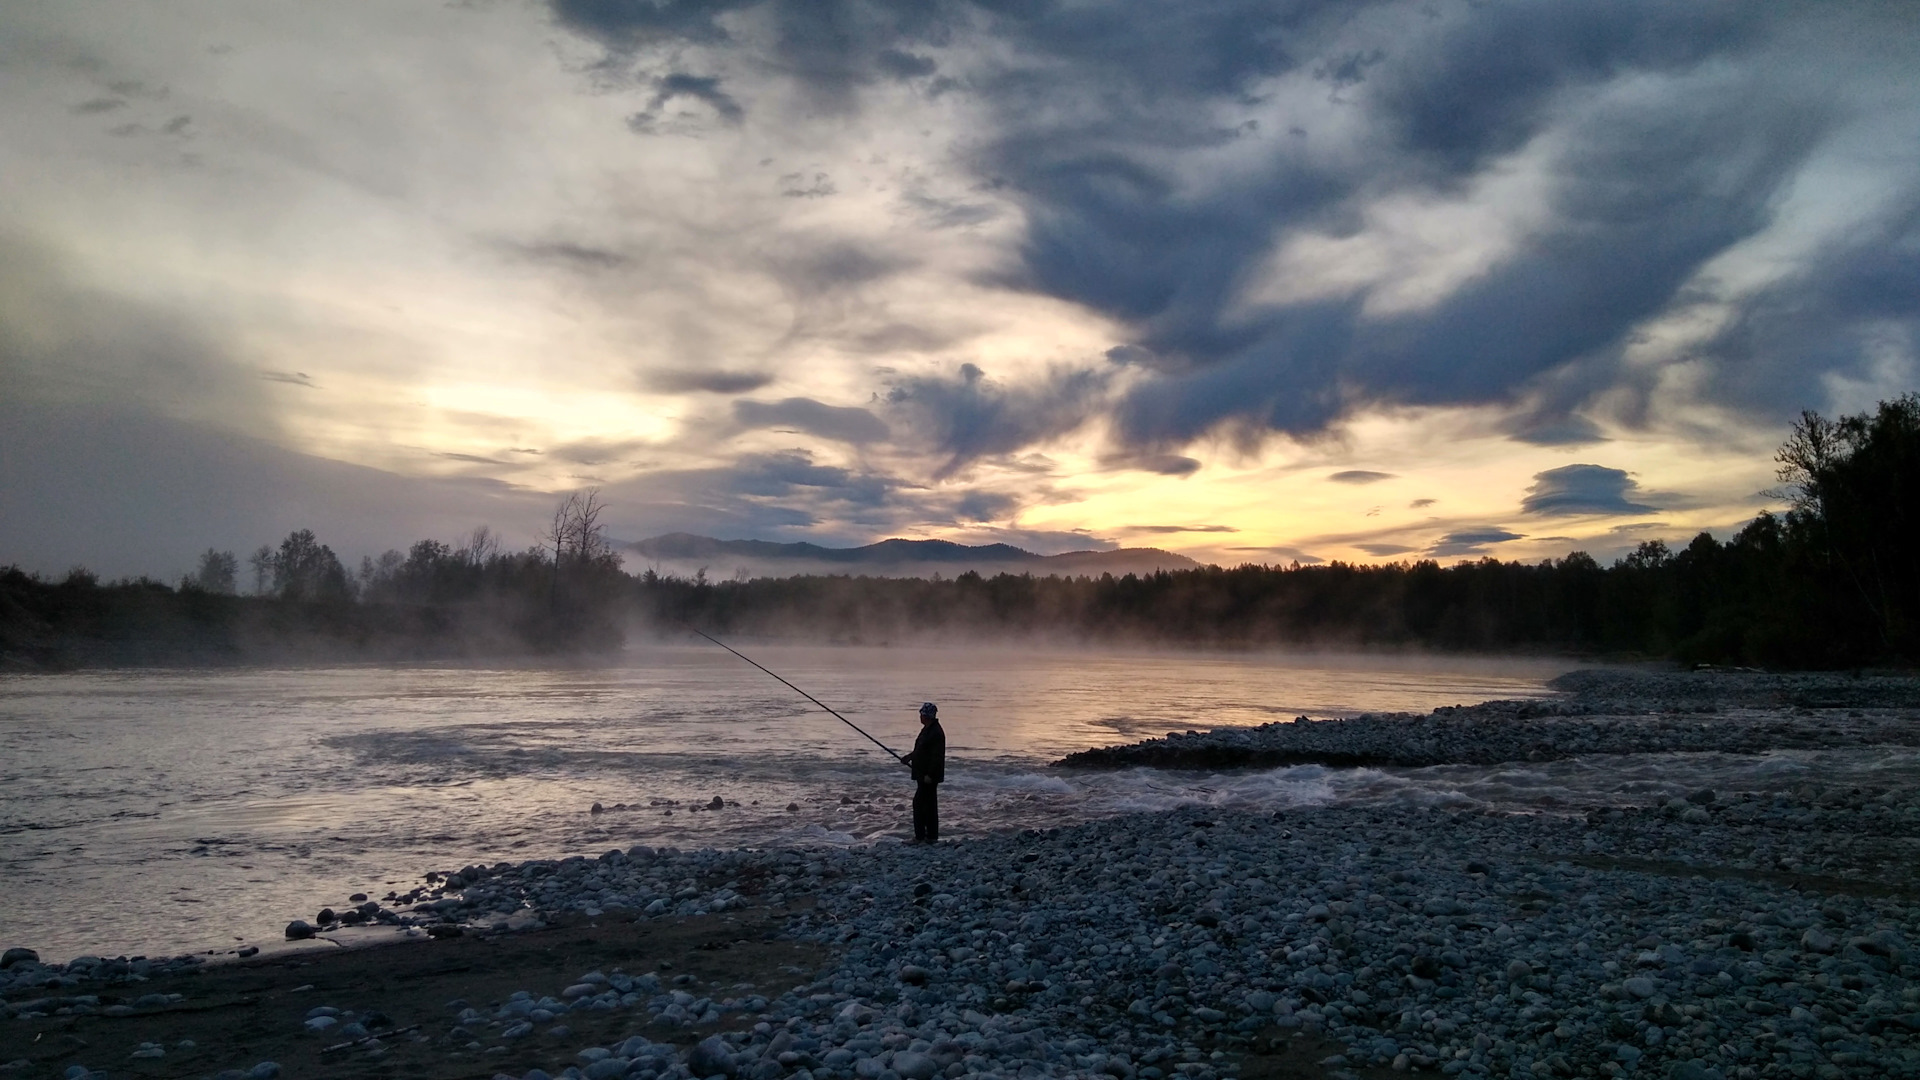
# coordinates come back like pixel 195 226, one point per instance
pixel 1252 280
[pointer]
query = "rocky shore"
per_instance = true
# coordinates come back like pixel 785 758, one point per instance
pixel 1724 936
pixel 1602 712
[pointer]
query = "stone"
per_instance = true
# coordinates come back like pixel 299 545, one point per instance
pixel 913 974
pixel 1639 986
pixel 1703 797
pixel 1817 940
pixel 1518 970
pixel 717 803
pixel 913 1066
pixel 299 930
pixel 326 916
pixel 711 1057
pixel 320 1024
pixel 18 955
pixel 445 930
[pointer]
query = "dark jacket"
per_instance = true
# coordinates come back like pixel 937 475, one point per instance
pixel 929 757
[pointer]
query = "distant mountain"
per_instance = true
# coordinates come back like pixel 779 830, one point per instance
pixel 685 553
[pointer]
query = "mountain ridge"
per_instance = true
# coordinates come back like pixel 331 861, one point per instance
pixel 895 555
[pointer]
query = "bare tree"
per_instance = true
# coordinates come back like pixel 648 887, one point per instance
pixel 575 532
pixel 479 546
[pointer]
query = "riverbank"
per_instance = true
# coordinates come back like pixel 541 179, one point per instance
pixel 1645 942
pixel 1728 934
pixel 1604 711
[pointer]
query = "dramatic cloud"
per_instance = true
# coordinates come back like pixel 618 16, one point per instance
pixel 839 269
pixel 1583 489
pixel 834 422
pixel 970 416
pixel 1464 542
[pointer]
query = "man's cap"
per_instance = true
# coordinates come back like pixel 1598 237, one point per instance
pixel 928 708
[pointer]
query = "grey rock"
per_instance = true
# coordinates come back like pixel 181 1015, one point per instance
pixel 914 1066
pixel 18 955
pixel 711 1057
pixel 1817 940
pixel 299 930
pixel 1639 986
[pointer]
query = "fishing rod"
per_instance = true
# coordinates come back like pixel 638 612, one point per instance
pixel 797 690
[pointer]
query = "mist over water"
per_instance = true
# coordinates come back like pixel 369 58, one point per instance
pixel 165 811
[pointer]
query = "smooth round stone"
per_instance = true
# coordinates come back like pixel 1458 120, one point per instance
pixel 915 1066
pixel 1639 986
pixel 299 930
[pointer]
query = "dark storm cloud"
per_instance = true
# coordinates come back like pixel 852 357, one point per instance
pixel 682 381
pixel 1471 542
pixel 1094 114
pixel 1583 489
pixel 977 506
pixel 1359 476
pixel 1832 317
pixel 784 495
pixel 703 89
pixel 971 416
pixel 841 423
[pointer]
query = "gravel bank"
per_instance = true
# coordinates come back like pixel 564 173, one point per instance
pixel 1601 712
pixel 1155 945
pixel 1724 936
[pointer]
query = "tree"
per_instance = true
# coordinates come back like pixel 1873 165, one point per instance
pixel 1855 486
pixel 575 532
pixel 479 547
pixel 306 569
pixel 262 562
pixel 219 573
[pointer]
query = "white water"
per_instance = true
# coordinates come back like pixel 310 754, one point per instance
pixel 167 811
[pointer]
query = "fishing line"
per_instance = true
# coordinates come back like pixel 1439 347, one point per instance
pixel 797 690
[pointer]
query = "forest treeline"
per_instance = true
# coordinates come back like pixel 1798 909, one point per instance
pixel 1834 581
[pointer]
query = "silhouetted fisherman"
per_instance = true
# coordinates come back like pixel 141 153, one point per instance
pixel 929 764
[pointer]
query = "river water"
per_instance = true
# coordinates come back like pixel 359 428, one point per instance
pixel 164 811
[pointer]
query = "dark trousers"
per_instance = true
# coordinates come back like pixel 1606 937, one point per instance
pixel 926 812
